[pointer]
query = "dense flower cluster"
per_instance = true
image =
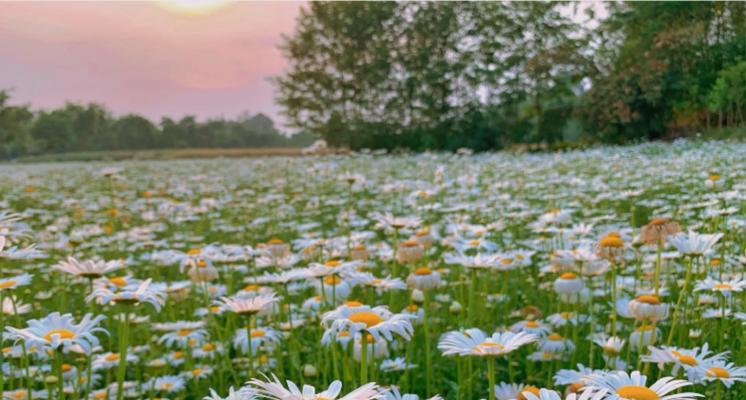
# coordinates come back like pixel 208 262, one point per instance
pixel 611 273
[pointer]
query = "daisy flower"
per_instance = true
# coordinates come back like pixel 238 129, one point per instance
pixel 14 282
pixel 647 308
pixel 247 306
pixel 723 287
pixel 274 390
pixel 685 358
pixel 167 384
pixel 132 293
pixel 424 278
pixel 394 394
pixel 243 393
pixel 12 306
pixel 545 394
pixel 474 342
pixel 720 370
pixel 60 331
pixel 513 391
pixel 378 321
pixel 623 386
pixel 260 336
pixel 90 269
pixel 694 244
pixel 396 364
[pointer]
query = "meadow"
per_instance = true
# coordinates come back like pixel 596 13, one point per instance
pixel 605 273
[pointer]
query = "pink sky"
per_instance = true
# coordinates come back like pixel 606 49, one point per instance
pixel 144 58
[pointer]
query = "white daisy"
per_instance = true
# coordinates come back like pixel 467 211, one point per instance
pixel 623 386
pixel 474 342
pixel 55 331
pixel 275 390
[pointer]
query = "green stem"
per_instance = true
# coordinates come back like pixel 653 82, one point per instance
pixel 363 357
pixel 491 376
pixel 124 323
pixel 249 355
pixel 428 363
pixel 682 294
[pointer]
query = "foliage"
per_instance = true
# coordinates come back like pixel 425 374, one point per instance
pixel 77 127
pixel 428 75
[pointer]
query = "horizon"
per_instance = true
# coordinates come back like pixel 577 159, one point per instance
pixel 209 59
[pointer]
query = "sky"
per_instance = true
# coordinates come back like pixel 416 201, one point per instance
pixel 196 57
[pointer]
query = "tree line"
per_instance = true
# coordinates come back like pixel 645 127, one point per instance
pixel 91 127
pixel 484 75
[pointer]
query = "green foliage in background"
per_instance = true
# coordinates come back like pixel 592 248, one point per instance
pixel 425 75
pixel 91 128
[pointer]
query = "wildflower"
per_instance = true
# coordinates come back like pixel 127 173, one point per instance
pixel 60 331
pixel 378 321
pixel 247 306
pixel 694 244
pixel 274 390
pixel 90 269
pixel 424 278
pixel 657 230
pixel 474 342
pixel 623 386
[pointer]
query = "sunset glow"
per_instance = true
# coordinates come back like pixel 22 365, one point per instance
pixel 193 7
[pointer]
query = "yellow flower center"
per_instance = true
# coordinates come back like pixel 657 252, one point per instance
pixel 184 332
pixel 370 319
pixel 63 333
pixel 575 387
pixel 251 287
pixel 531 324
pixel 353 303
pixel 66 367
pixel 722 286
pixel 333 263
pixel 275 241
pixel 717 372
pixel 529 389
pixel 208 347
pixel 118 281
pixel 100 395
pixel 685 359
pixel 7 284
pixel 412 308
pixel 554 337
pixel 332 280
pixel 423 271
pixel 714 177
pixel 111 357
pixel 506 261
pixel 568 275
pixel 648 299
pixel 423 232
pixel 634 392
pixel 257 333
pixel 658 221
pixel 410 243
pixel 715 262
pixel 193 252
pixel 197 371
pixel 611 241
